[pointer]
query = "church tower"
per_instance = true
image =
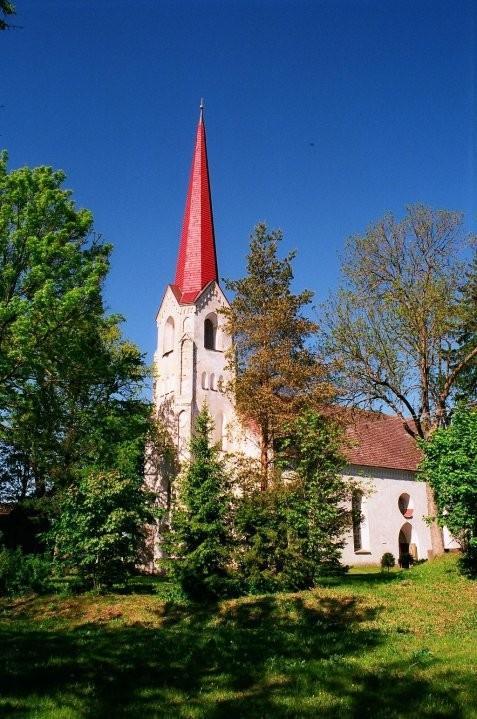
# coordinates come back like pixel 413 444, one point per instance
pixel 190 359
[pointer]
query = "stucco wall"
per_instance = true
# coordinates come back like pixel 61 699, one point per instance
pixel 382 518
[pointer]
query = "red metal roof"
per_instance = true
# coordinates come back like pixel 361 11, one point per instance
pixel 197 259
pixel 379 440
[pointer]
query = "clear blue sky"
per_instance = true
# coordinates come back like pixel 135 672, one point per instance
pixel 321 116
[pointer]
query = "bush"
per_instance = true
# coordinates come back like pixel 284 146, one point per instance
pixel 468 561
pixel 24 573
pixel 271 533
pixel 100 529
pixel 388 561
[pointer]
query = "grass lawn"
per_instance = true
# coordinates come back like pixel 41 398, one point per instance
pixel 367 645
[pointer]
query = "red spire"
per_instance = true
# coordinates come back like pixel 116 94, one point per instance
pixel 197 260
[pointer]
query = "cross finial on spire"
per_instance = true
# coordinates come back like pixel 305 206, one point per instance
pixel 201 108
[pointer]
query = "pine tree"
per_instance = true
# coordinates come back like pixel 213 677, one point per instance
pixel 198 541
pixel 276 371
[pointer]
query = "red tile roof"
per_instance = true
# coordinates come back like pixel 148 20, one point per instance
pixel 381 441
pixel 197 259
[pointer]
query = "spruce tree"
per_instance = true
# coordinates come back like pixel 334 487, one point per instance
pixel 198 541
pixel 277 372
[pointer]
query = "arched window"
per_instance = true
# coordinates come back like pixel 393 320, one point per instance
pixel 220 384
pixel 212 384
pixel 406 505
pixel 210 332
pixel 204 381
pixel 168 342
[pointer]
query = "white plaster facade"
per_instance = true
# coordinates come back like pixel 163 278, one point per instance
pixel 190 371
pixel 383 518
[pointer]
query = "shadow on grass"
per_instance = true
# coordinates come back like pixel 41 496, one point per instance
pixel 266 657
pixel 371 579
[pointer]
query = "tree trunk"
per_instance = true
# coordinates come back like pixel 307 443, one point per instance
pixel 437 539
pixel 264 441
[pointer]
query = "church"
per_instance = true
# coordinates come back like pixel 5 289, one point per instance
pixel 191 369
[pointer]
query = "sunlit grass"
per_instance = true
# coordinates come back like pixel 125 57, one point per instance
pixel 368 644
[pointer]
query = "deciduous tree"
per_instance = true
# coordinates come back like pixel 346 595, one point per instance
pixel 450 467
pixel 67 378
pixel 392 327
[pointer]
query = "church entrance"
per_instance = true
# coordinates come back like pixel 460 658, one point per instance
pixel 404 544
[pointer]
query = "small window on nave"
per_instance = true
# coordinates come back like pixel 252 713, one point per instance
pixel 357 517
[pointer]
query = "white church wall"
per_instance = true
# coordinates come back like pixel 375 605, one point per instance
pixel 383 517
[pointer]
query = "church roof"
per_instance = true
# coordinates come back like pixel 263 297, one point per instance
pixel 379 440
pixel 197 259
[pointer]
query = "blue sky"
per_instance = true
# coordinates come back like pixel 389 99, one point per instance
pixel 321 116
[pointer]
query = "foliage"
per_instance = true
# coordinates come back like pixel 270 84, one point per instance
pixel 7 9
pixel 391 327
pixel 450 467
pixel 100 527
pixel 291 535
pixel 72 420
pixel 198 541
pixel 276 371
pixel 388 561
pixel 24 573
pixel 271 537
pixel 467 334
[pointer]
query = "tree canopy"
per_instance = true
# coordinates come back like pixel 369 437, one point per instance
pixel 67 378
pixel 276 369
pixel 391 329
pixel 450 467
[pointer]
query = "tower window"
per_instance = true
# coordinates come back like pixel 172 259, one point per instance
pixel 168 342
pixel 210 332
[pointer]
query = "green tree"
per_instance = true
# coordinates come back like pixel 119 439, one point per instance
pixel 450 467
pixel 391 327
pixel 292 534
pixel 467 335
pixel 198 542
pixel 100 529
pixel 276 370
pixel 67 378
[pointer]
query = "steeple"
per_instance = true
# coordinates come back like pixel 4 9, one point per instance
pixel 197 259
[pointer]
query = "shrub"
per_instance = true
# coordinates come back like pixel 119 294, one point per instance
pixel 450 467
pixel 291 535
pixel 388 561
pixel 24 573
pixel 100 528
